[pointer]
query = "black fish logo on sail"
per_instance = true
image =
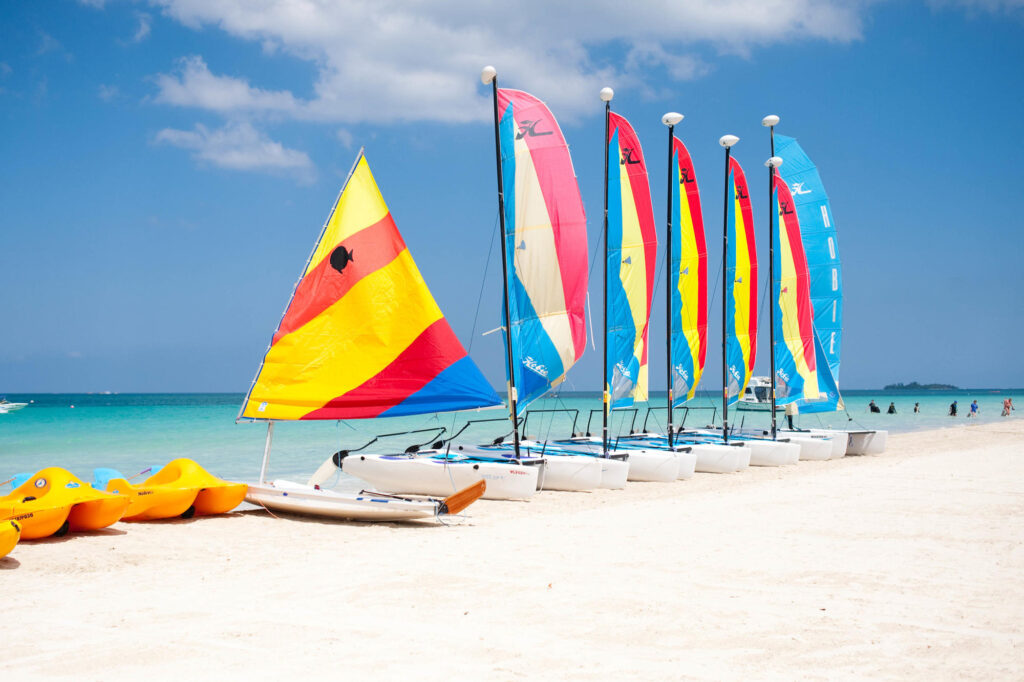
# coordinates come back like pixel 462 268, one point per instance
pixel 685 173
pixel 529 129
pixel 786 210
pixel 740 193
pixel 627 153
pixel 341 257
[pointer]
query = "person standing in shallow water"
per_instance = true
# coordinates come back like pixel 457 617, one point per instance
pixel 1007 406
pixel 917 407
pixel 974 409
pixel 873 408
pixel 892 408
pixel 952 409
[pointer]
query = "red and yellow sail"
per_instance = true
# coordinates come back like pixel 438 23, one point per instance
pixel 796 375
pixel 740 285
pixel 362 335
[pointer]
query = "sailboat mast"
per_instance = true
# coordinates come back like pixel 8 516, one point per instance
pixel 489 74
pixel 770 122
pixel 606 97
pixel 726 141
pixel 670 119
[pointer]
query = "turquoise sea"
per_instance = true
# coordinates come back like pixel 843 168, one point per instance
pixel 131 432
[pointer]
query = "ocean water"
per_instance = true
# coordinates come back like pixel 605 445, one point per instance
pixel 131 432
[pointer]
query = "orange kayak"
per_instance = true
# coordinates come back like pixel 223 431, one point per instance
pixel 46 495
pixel 10 533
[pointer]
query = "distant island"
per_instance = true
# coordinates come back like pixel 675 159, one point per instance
pixel 914 386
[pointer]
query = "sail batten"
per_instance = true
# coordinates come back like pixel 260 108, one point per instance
pixel 689 311
pixel 740 286
pixel 545 246
pixel 362 336
pixel 632 257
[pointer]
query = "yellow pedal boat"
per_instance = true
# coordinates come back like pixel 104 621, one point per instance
pixel 182 488
pixel 10 533
pixel 39 503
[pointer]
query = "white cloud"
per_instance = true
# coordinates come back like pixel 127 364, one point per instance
pixel 194 86
pixel 345 138
pixel 108 92
pixel 145 25
pixel 239 146
pixel 388 61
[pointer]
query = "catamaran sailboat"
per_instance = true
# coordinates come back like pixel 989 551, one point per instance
pixel 363 338
pixel 818 232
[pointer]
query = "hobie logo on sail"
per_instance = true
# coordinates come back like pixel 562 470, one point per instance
pixel 623 370
pixel 535 366
pixel 798 188
pixel 685 176
pixel 627 157
pixel 529 129
pixel 681 371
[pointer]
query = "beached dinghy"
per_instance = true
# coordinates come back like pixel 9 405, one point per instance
pixel 10 534
pixel 362 338
pixel 42 503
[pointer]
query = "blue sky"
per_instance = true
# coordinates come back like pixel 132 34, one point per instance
pixel 166 165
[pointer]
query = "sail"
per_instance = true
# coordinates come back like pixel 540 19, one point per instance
pixel 546 245
pixel 631 253
pixel 795 374
pixel 818 231
pixel 362 336
pixel 740 286
pixel 690 276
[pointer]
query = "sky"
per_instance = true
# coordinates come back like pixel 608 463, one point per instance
pixel 166 166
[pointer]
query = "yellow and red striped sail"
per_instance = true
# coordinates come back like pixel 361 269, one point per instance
pixel 362 335
pixel 689 272
pixel 740 285
pixel 796 375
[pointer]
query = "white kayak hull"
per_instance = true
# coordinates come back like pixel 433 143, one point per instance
pixel 423 475
pixel 285 496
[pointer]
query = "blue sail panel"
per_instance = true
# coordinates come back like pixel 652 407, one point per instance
pixel 817 228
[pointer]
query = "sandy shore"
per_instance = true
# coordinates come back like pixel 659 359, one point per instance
pixel 904 565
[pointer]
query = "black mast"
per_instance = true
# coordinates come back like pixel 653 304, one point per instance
pixel 670 119
pixel 606 97
pixel 726 141
pixel 490 75
pixel 770 122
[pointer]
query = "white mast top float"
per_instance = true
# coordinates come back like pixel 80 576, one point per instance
pixel 487 74
pixel 770 120
pixel 774 162
pixel 671 118
pixel 607 94
pixel 728 140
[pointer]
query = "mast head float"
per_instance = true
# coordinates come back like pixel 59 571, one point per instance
pixel 607 94
pixel 770 120
pixel 488 74
pixel 671 118
pixel 774 162
pixel 728 140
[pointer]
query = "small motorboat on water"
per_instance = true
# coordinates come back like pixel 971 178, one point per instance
pixel 7 406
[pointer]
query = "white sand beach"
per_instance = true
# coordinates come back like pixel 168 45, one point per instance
pixel 906 565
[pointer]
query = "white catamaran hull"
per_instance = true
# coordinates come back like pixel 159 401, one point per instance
pixel 614 472
pixel 811 448
pixel 867 442
pixel 687 464
pixel 714 458
pixel 285 496
pixel 423 475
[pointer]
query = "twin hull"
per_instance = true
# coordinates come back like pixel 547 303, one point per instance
pixel 422 475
